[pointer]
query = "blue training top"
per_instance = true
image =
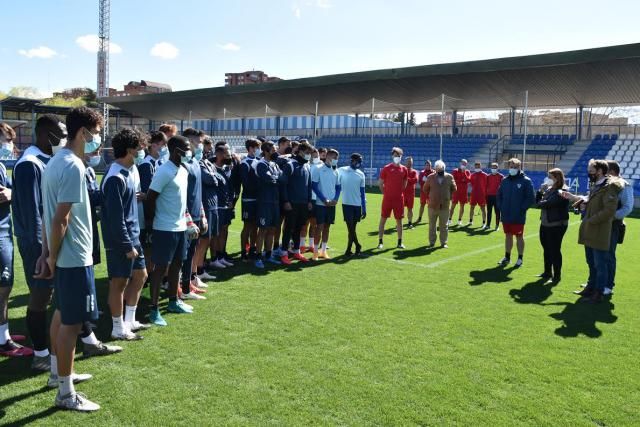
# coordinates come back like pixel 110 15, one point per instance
pixel 194 189
pixel 268 177
pixel 249 179
pixel 296 182
pixel 120 228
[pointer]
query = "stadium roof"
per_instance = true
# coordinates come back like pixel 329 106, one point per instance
pixel 592 77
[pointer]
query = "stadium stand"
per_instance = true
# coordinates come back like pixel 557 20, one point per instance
pixel 599 148
pixel 537 139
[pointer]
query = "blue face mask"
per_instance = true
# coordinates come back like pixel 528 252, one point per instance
pixel 6 150
pixel 92 144
pixel 198 155
pixel 186 158
pixel 334 162
pixel 513 171
pixel 139 157
pixel 356 165
pixel 94 161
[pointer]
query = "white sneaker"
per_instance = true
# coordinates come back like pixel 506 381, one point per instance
pixel 518 263
pixel 136 326
pixel 76 402
pixel 199 283
pixel 184 304
pixel 193 296
pixel 218 264
pixel 125 335
pixel 226 263
pixel 504 261
pixel 206 276
pixel 459 223
pixel 607 291
pixel 76 378
pixel 449 222
pixel 380 246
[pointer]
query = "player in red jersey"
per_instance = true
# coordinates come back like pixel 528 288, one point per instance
pixel 462 177
pixel 479 193
pixel 410 189
pixel 422 178
pixel 493 183
pixel 393 181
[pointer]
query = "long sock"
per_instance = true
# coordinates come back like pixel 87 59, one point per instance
pixel 65 386
pixel 130 313
pixel 117 323
pixel 302 241
pixel 37 327
pixel 323 246
pixel 4 333
pixel 90 339
pixel 312 241
pixel 54 365
pixel 507 255
pixel 520 256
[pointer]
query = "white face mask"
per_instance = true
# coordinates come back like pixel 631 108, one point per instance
pixel 478 170
pixel 334 162
pixel 463 167
pixel 397 159
pixel 307 157
pixel 513 171
pixel 549 181
pixel 139 157
pixel 7 149
pixel 316 160
pixel 494 171
pixel 94 161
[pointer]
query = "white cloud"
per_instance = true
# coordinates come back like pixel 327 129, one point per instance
pixel 90 43
pixel 296 10
pixel 164 50
pixel 43 52
pixel 229 46
pixel 324 4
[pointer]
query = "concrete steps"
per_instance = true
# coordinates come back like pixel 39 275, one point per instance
pixel 572 155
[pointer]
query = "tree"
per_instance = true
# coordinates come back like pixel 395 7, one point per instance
pixel 399 118
pixel 25 92
pixel 2 95
pixel 91 99
pixel 62 102
pixel 412 120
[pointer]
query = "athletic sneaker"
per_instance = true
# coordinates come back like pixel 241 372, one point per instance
pixel 174 307
pixel 52 382
pixel 276 252
pixel 194 289
pixel 459 223
pixel 274 260
pixel 300 257
pixel 226 262
pixel 218 264
pixel 315 255
pixel 193 296
pixel 156 318
pixel 41 363
pixel 449 222
pixel 285 260
pixel 504 261
pixel 205 276
pixel 325 255
pixel 100 349
pixel 125 335
pixel 607 291
pixel 380 246
pixel 518 263
pixel 303 249
pixel 11 349
pixel 183 304
pixel 76 402
pixel 198 283
pixel 136 326
pixel 401 246
pixel 410 226
pixel 259 264
pixel 445 246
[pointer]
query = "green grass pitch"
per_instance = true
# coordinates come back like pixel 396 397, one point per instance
pixel 412 337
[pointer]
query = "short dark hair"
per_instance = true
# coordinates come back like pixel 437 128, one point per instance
pixel 356 156
pixel 251 143
pixel 219 143
pixel 174 141
pixel 202 133
pixel 322 150
pixel 190 132
pixel 208 140
pixel 304 146
pixel 82 117
pixel 168 128
pixel 125 139
pixel 601 165
pixel 333 151
pixel 157 137
pixel 47 122
pixel 267 146
pixel 220 149
pixel 282 140
pixel 614 166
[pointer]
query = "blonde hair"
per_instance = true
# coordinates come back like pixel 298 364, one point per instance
pixel 515 162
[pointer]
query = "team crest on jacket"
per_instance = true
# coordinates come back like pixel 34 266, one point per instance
pixel 519 185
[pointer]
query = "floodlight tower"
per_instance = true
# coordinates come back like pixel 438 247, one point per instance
pixel 103 60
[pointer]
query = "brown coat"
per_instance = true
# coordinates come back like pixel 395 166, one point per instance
pixel 439 194
pixel 595 228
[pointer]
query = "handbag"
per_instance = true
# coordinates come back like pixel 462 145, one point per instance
pixel 622 229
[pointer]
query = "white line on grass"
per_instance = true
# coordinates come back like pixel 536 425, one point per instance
pixel 454 258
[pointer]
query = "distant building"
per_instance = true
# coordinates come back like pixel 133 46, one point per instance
pixel 434 120
pixel 142 87
pixel 248 78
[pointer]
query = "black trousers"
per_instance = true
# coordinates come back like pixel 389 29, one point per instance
pixel 294 220
pixel 551 240
pixel 491 206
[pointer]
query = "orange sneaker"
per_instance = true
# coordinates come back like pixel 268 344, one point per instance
pixel 315 255
pixel 325 255
pixel 196 289
pixel 285 259
pixel 303 249
pixel 300 257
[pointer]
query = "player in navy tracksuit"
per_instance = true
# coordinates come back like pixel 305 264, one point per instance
pixel 249 200
pixel 296 200
pixel 194 207
pixel 225 197
pixel 281 158
pixel 210 182
pixel 268 204
pixel 51 134
pixel 7 346
pixel 95 199
pixel 121 234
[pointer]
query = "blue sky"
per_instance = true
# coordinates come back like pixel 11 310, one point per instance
pixel 47 44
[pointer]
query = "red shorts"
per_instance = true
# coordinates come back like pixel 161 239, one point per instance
pixel 423 198
pixel 409 199
pixel 515 229
pixel 396 205
pixel 459 197
pixel 481 201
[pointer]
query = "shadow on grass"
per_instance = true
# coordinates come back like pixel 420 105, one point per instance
pixel 387 231
pixel 6 403
pixel 38 416
pixel 416 252
pixel 581 318
pixel 534 292
pixel 497 274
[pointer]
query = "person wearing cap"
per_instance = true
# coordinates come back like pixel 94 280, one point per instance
pixel 354 203
pixel 393 181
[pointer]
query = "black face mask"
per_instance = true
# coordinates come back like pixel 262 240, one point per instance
pixel 274 156
pixel 441 173
pixel 288 150
pixel 300 159
pixel 226 161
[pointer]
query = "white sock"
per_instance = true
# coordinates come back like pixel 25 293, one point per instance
pixel 65 385
pixel 117 324
pixel 54 365
pixel 41 353
pixel 311 241
pixel 323 246
pixel 91 339
pixel 130 313
pixel 303 241
pixel 4 333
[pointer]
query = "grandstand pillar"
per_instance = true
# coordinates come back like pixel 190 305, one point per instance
pixel 277 126
pixel 357 118
pixel 33 125
pixel 243 125
pixel 181 126
pixel 579 123
pixel 454 121
pixel 512 121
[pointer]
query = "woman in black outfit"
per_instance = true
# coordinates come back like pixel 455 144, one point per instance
pixel 554 216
